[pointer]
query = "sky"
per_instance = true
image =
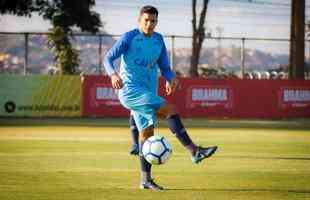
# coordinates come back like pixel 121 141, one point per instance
pixel 226 18
pixel 235 18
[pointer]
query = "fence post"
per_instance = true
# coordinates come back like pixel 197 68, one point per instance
pixel 308 64
pixel 242 58
pixel 26 53
pixel 100 54
pixel 172 51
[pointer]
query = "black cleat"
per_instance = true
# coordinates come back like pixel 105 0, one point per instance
pixel 203 153
pixel 134 150
pixel 151 185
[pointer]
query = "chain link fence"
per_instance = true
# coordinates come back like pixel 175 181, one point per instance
pixel 221 57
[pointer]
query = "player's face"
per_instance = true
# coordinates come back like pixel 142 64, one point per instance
pixel 147 23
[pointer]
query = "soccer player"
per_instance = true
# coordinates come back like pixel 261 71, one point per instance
pixel 142 52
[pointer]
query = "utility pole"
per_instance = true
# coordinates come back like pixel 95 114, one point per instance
pixel 297 41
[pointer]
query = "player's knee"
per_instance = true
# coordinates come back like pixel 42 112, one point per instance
pixel 146 133
pixel 171 110
pixel 167 110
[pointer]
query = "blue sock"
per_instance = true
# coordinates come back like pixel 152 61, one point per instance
pixel 176 127
pixel 145 169
pixel 134 131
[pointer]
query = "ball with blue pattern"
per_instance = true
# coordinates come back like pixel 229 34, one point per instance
pixel 156 150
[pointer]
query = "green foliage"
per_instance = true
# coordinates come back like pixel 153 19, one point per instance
pixel 213 72
pixel 66 57
pixel 64 15
pixel 17 7
pixel 68 14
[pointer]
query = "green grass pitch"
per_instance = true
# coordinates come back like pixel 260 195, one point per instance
pixel 79 159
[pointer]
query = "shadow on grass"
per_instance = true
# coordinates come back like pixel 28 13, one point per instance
pixel 268 158
pixel 239 190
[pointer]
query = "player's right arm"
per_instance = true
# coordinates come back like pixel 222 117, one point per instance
pixel 116 81
pixel 119 48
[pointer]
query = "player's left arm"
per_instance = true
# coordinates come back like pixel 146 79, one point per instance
pixel 166 71
pixel 172 86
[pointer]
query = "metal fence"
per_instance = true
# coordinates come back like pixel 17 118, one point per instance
pixel 28 53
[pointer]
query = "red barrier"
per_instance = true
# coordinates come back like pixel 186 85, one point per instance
pixel 212 98
pixel 99 99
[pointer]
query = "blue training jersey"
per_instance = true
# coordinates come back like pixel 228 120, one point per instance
pixel 141 56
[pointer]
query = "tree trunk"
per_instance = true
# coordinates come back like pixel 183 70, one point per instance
pixel 198 36
pixel 194 58
pixel 297 43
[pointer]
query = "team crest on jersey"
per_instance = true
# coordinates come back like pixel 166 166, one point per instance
pixel 138 49
pixel 144 63
pixel 156 42
pixel 139 39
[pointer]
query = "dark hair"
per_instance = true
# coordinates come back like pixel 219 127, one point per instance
pixel 149 10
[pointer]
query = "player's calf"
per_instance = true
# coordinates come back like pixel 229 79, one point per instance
pixel 135 137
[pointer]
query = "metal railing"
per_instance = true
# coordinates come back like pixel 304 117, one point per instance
pixel 27 53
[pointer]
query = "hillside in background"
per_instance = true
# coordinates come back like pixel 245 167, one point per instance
pixel 230 59
pixel 40 58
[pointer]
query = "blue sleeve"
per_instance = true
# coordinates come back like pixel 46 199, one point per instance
pixel 164 64
pixel 115 52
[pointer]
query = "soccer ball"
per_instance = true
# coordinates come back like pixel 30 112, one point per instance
pixel 156 150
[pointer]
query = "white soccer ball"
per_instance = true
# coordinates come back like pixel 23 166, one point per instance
pixel 156 150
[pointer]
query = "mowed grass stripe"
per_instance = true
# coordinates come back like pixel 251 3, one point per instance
pixel 69 162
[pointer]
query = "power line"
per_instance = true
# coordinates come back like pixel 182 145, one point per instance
pixel 230 14
pixel 259 2
pixel 188 11
pixel 223 14
pixel 173 6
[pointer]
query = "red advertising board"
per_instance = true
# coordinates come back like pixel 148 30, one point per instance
pixel 104 95
pixel 294 97
pixel 100 99
pixel 209 96
pixel 198 98
pixel 212 98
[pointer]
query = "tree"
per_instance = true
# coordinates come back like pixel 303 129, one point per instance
pixel 17 7
pixel 198 35
pixel 65 56
pixel 297 43
pixel 63 15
